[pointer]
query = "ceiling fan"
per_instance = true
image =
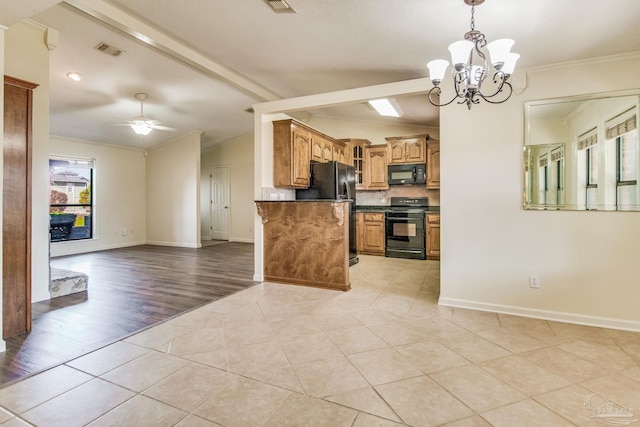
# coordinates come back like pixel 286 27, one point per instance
pixel 142 125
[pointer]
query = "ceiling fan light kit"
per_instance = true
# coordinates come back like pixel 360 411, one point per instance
pixel 468 75
pixel 141 125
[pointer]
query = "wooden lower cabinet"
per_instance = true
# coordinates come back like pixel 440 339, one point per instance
pixel 433 236
pixel 370 239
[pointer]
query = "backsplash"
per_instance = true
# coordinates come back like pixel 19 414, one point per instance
pixel 383 197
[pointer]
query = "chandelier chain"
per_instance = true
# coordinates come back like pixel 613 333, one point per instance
pixel 473 21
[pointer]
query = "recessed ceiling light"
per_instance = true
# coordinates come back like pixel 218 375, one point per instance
pixel 75 76
pixel 386 107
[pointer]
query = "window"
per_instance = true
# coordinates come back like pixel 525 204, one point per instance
pixel 587 143
pixel 623 129
pixel 71 199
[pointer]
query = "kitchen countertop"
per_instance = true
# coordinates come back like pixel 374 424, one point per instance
pixel 305 200
pixel 385 208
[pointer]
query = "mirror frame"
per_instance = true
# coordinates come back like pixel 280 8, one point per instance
pixel 527 184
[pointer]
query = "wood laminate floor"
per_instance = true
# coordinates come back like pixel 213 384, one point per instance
pixel 129 290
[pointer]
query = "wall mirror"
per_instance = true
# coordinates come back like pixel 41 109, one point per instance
pixel 581 153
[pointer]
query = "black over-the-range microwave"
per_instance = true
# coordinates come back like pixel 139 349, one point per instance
pixel 408 174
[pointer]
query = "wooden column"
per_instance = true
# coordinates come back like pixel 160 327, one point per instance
pixel 16 207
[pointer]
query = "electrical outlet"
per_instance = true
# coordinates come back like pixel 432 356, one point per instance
pixel 534 282
pixel 124 231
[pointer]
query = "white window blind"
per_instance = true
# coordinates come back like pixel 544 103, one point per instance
pixel 622 123
pixel 588 139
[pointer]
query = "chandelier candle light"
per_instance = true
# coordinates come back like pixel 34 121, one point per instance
pixel 469 76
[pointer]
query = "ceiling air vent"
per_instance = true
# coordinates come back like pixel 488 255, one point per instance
pixel 280 6
pixel 109 50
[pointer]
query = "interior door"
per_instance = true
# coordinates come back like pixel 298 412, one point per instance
pixel 16 208
pixel 219 176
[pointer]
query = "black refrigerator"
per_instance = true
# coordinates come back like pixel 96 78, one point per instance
pixel 336 181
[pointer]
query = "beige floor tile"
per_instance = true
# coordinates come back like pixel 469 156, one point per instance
pixel 569 403
pixel 357 299
pixel 196 341
pixel 475 421
pixel 141 411
pixel 356 340
pixel 328 377
pixel 265 362
pixel 384 365
pixel 299 410
pixel 145 371
pixel 241 402
pixel 156 336
pixel 79 406
pixel 365 400
pixel 429 308
pixel 474 347
pixel 216 358
pixel 188 388
pixel 367 420
pixel 310 347
pixel 322 309
pixel 527 377
pixel 198 319
pixel 525 324
pixel 193 421
pixel 571 367
pixel 474 320
pixel 335 321
pixel 35 390
pixel 247 333
pixel 401 332
pixel 476 388
pixel 244 314
pixel 633 373
pixel 579 332
pixel 526 413
pixel 373 316
pixel 435 327
pixel 431 356
pixel 606 356
pixel 5 415
pixel 16 422
pixel 421 402
pixel 108 358
pixel 512 340
pixel 257 357
pixel 619 388
pixel 398 304
pixel 296 327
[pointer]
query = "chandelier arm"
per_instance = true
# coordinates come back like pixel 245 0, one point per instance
pixel 500 89
pixel 434 92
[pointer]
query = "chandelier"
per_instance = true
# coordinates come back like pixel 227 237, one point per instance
pixel 469 73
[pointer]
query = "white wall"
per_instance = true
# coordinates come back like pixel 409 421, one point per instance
pixel 173 192
pixel 26 57
pixel 490 245
pixel 374 131
pixel 237 154
pixel 119 188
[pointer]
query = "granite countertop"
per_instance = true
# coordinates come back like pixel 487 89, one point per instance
pixel 306 200
pixel 385 208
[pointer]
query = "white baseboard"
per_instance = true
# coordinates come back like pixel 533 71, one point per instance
pixel 258 278
pixel 174 244
pixel 3 346
pixel 558 316
pixel 69 248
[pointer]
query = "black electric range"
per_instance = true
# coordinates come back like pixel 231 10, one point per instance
pixel 406 228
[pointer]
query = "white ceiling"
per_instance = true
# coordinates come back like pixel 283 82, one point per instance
pixel 326 46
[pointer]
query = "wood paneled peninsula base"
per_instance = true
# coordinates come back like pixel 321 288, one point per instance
pixel 306 242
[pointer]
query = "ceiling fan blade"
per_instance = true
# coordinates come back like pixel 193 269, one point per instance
pixel 163 128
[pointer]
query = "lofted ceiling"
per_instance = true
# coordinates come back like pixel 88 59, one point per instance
pixel 203 63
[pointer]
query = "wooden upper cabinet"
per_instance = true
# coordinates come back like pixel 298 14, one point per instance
pixel 321 148
pixel 356 156
pixel 291 154
pixel 407 149
pixel 376 168
pixel 341 152
pixel 433 164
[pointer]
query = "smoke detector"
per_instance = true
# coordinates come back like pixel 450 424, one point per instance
pixel 280 6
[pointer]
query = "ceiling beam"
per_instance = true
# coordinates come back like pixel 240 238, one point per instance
pixel 151 36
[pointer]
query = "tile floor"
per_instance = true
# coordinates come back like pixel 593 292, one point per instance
pixel 383 354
